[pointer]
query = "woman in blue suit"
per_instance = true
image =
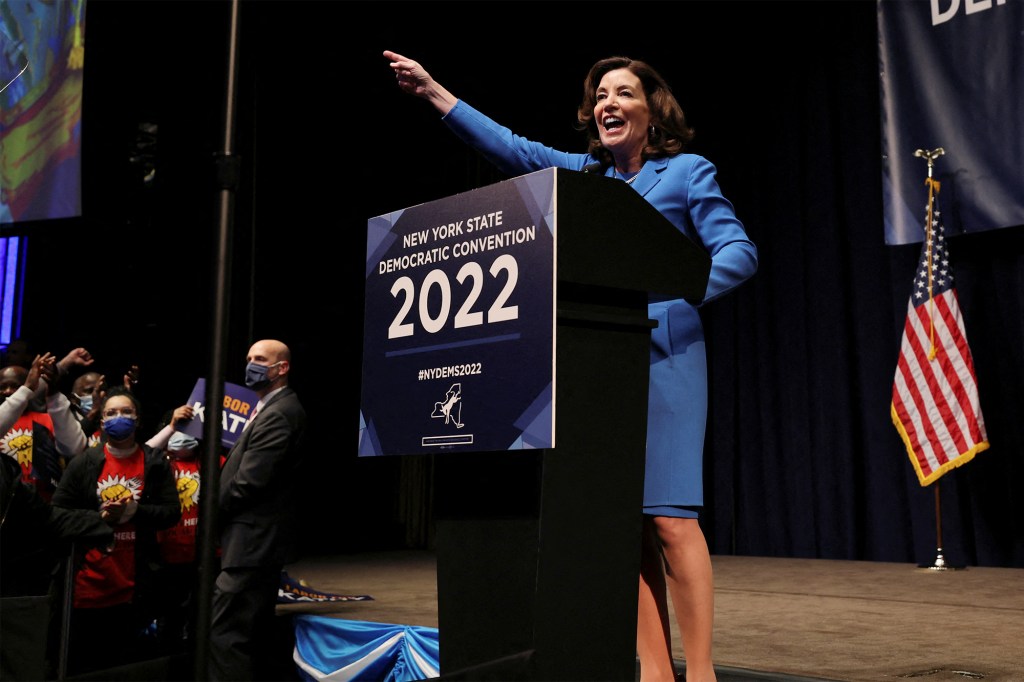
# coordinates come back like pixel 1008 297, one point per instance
pixel 637 133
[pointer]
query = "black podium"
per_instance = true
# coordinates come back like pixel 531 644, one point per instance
pixel 539 551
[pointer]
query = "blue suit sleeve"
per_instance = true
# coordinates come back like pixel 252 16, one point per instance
pixel 511 153
pixel 733 254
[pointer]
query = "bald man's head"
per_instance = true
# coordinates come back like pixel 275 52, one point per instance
pixel 270 349
pixel 268 364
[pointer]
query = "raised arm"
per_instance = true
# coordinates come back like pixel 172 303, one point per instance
pixel 14 405
pixel 414 79
pixel 180 416
pixel 67 433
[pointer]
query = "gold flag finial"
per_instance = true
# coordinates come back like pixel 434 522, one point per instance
pixel 930 155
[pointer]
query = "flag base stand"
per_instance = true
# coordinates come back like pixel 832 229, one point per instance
pixel 940 564
pixel 940 561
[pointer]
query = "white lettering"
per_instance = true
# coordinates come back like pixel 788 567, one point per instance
pixel 415 238
pixel 236 419
pixel 972 6
pixel 415 259
pixel 484 221
pixel 940 17
pixel 449 230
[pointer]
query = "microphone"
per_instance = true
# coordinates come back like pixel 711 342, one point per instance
pixel 593 167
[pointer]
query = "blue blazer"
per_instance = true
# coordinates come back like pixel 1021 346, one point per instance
pixel 683 188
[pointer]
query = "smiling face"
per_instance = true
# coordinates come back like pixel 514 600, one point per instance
pixel 622 117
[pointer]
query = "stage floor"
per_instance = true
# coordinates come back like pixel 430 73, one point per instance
pixel 775 619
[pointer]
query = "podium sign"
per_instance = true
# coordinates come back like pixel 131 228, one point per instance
pixel 458 330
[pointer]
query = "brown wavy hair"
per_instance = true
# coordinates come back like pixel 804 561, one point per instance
pixel 669 134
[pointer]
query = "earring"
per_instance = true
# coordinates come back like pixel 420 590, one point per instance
pixel 651 130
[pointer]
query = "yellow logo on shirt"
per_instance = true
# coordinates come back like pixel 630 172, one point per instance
pixel 119 488
pixel 17 443
pixel 188 489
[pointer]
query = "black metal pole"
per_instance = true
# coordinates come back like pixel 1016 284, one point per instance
pixel 227 168
pixel 68 594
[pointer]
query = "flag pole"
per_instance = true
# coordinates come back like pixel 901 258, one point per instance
pixel 940 561
pixel 930 155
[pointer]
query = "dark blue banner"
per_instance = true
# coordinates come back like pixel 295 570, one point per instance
pixel 458 338
pixel 952 77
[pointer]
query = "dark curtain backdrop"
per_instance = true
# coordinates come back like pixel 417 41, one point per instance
pixel 802 457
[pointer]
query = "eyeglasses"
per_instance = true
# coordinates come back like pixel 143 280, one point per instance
pixel 123 412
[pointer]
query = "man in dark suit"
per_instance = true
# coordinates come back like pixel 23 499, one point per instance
pixel 258 496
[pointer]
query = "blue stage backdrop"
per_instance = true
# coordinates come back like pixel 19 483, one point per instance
pixel 952 76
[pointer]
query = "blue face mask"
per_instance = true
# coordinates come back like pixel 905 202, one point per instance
pixel 256 375
pixel 84 402
pixel 119 428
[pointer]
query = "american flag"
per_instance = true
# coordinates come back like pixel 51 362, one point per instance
pixel 935 404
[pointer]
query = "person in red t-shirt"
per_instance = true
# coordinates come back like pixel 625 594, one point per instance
pixel 131 486
pixel 178 576
pixel 36 426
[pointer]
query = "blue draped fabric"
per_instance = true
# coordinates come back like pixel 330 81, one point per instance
pixel 335 649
